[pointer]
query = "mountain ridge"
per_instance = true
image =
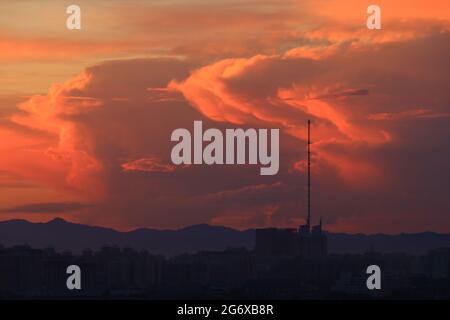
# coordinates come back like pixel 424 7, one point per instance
pixel 64 235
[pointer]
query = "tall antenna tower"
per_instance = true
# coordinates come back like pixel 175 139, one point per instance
pixel 309 176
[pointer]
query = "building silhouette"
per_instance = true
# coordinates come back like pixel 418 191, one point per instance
pixel 308 241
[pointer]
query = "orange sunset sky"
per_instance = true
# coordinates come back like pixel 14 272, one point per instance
pixel 86 115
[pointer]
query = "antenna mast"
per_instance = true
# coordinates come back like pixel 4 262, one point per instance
pixel 309 176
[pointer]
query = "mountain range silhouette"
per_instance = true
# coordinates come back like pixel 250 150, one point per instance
pixel 63 235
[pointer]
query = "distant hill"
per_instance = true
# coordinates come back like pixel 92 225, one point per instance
pixel 63 235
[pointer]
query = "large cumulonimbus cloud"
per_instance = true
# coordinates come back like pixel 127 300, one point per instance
pixel 380 137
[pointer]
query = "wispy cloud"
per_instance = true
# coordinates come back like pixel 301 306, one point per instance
pixel 51 207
